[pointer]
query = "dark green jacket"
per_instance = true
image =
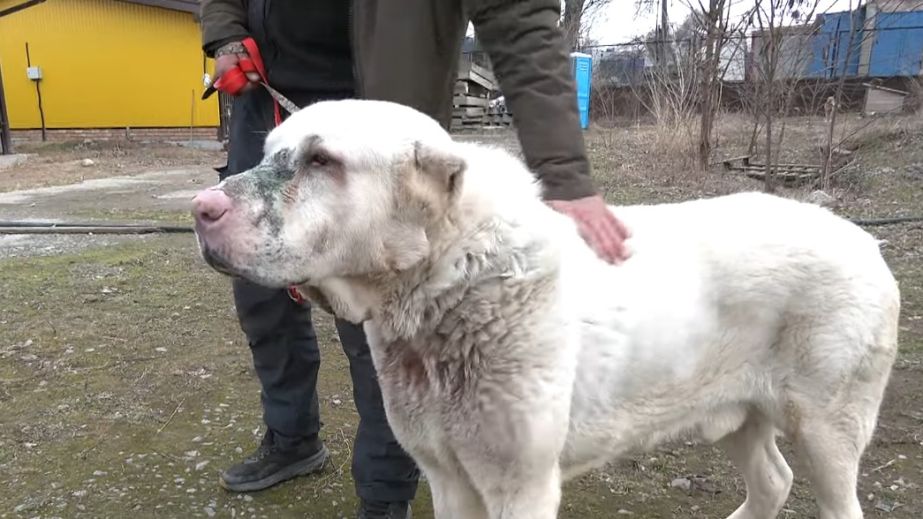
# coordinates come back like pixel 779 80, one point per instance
pixel 407 51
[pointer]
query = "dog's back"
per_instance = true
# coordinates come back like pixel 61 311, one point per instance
pixel 737 317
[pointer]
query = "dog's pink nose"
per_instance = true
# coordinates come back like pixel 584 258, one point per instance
pixel 209 206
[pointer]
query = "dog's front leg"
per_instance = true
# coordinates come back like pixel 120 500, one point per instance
pixel 517 476
pixel 513 460
pixel 535 495
pixel 454 496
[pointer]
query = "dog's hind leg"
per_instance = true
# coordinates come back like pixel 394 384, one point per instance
pixel 768 477
pixel 832 449
pixel 832 433
pixel 832 439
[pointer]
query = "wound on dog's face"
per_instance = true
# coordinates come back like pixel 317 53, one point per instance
pixel 297 219
pixel 332 200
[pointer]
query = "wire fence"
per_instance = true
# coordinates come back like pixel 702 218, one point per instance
pixel 808 52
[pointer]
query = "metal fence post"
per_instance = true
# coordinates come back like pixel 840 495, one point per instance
pixel 6 139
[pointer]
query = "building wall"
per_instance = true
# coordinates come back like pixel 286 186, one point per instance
pixel 105 64
pixel 733 60
pixel 836 46
pixel 797 48
pixel 895 6
pixel 897 44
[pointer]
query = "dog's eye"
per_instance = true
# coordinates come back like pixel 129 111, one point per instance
pixel 319 159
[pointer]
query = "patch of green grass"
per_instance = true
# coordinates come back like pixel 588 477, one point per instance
pixel 133 215
pixel 124 361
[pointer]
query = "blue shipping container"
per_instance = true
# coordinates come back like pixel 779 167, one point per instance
pixel 837 45
pixel 897 48
pixel 582 65
pixel 895 41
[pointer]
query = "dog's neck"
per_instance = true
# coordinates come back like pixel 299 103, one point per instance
pixel 495 231
pixel 405 303
pixel 419 298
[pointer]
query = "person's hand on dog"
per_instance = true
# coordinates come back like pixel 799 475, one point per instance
pixel 597 225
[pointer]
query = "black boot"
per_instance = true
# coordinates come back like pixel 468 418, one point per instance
pixel 382 510
pixel 275 462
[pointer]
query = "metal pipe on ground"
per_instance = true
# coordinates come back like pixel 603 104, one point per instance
pixel 18 227
pixel 31 227
pixel 887 221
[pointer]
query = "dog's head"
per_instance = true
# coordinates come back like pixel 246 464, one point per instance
pixel 346 188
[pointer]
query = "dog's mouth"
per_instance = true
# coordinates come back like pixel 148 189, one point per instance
pixel 216 261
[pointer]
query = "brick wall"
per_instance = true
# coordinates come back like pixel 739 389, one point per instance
pixel 115 134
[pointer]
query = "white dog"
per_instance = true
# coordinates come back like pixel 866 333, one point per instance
pixel 511 358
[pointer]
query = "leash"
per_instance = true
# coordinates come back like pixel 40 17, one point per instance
pixel 233 82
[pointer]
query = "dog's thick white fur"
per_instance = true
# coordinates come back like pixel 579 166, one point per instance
pixel 512 358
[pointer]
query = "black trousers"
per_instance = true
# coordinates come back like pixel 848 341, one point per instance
pixel 284 345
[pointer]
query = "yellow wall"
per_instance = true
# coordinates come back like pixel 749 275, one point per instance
pixel 105 64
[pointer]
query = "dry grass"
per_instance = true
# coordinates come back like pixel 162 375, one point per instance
pixel 59 163
pixel 124 371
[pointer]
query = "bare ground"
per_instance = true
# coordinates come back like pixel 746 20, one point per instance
pixel 59 163
pixel 125 382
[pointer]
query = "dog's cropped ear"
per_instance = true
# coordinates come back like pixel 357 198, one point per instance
pixel 440 167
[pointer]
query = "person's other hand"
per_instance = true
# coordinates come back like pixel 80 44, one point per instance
pixel 228 57
pixel 597 225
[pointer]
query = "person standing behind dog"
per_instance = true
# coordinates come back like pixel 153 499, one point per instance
pixel 306 51
pixel 406 52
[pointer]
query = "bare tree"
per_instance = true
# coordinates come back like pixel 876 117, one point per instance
pixel 779 56
pixel 714 23
pixel 661 52
pixel 669 89
pixel 834 101
pixel 695 53
pixel 578 18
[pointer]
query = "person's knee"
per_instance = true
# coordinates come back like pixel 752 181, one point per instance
pixel 264 313
pixel 352 337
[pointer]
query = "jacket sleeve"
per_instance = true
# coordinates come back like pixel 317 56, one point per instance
pixel 223 21
pixel 529 58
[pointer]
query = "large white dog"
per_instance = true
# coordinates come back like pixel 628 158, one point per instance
pixel 511 358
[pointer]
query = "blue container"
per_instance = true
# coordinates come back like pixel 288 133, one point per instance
pixel 897 46
pixel 582 66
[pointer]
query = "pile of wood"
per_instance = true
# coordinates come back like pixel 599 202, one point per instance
pixel 789 175
pixel 474 89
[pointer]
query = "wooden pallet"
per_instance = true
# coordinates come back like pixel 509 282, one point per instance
pixel 463 87
pixel 470 101
pixel 472 111
pixel 472 73
pixel 787 174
